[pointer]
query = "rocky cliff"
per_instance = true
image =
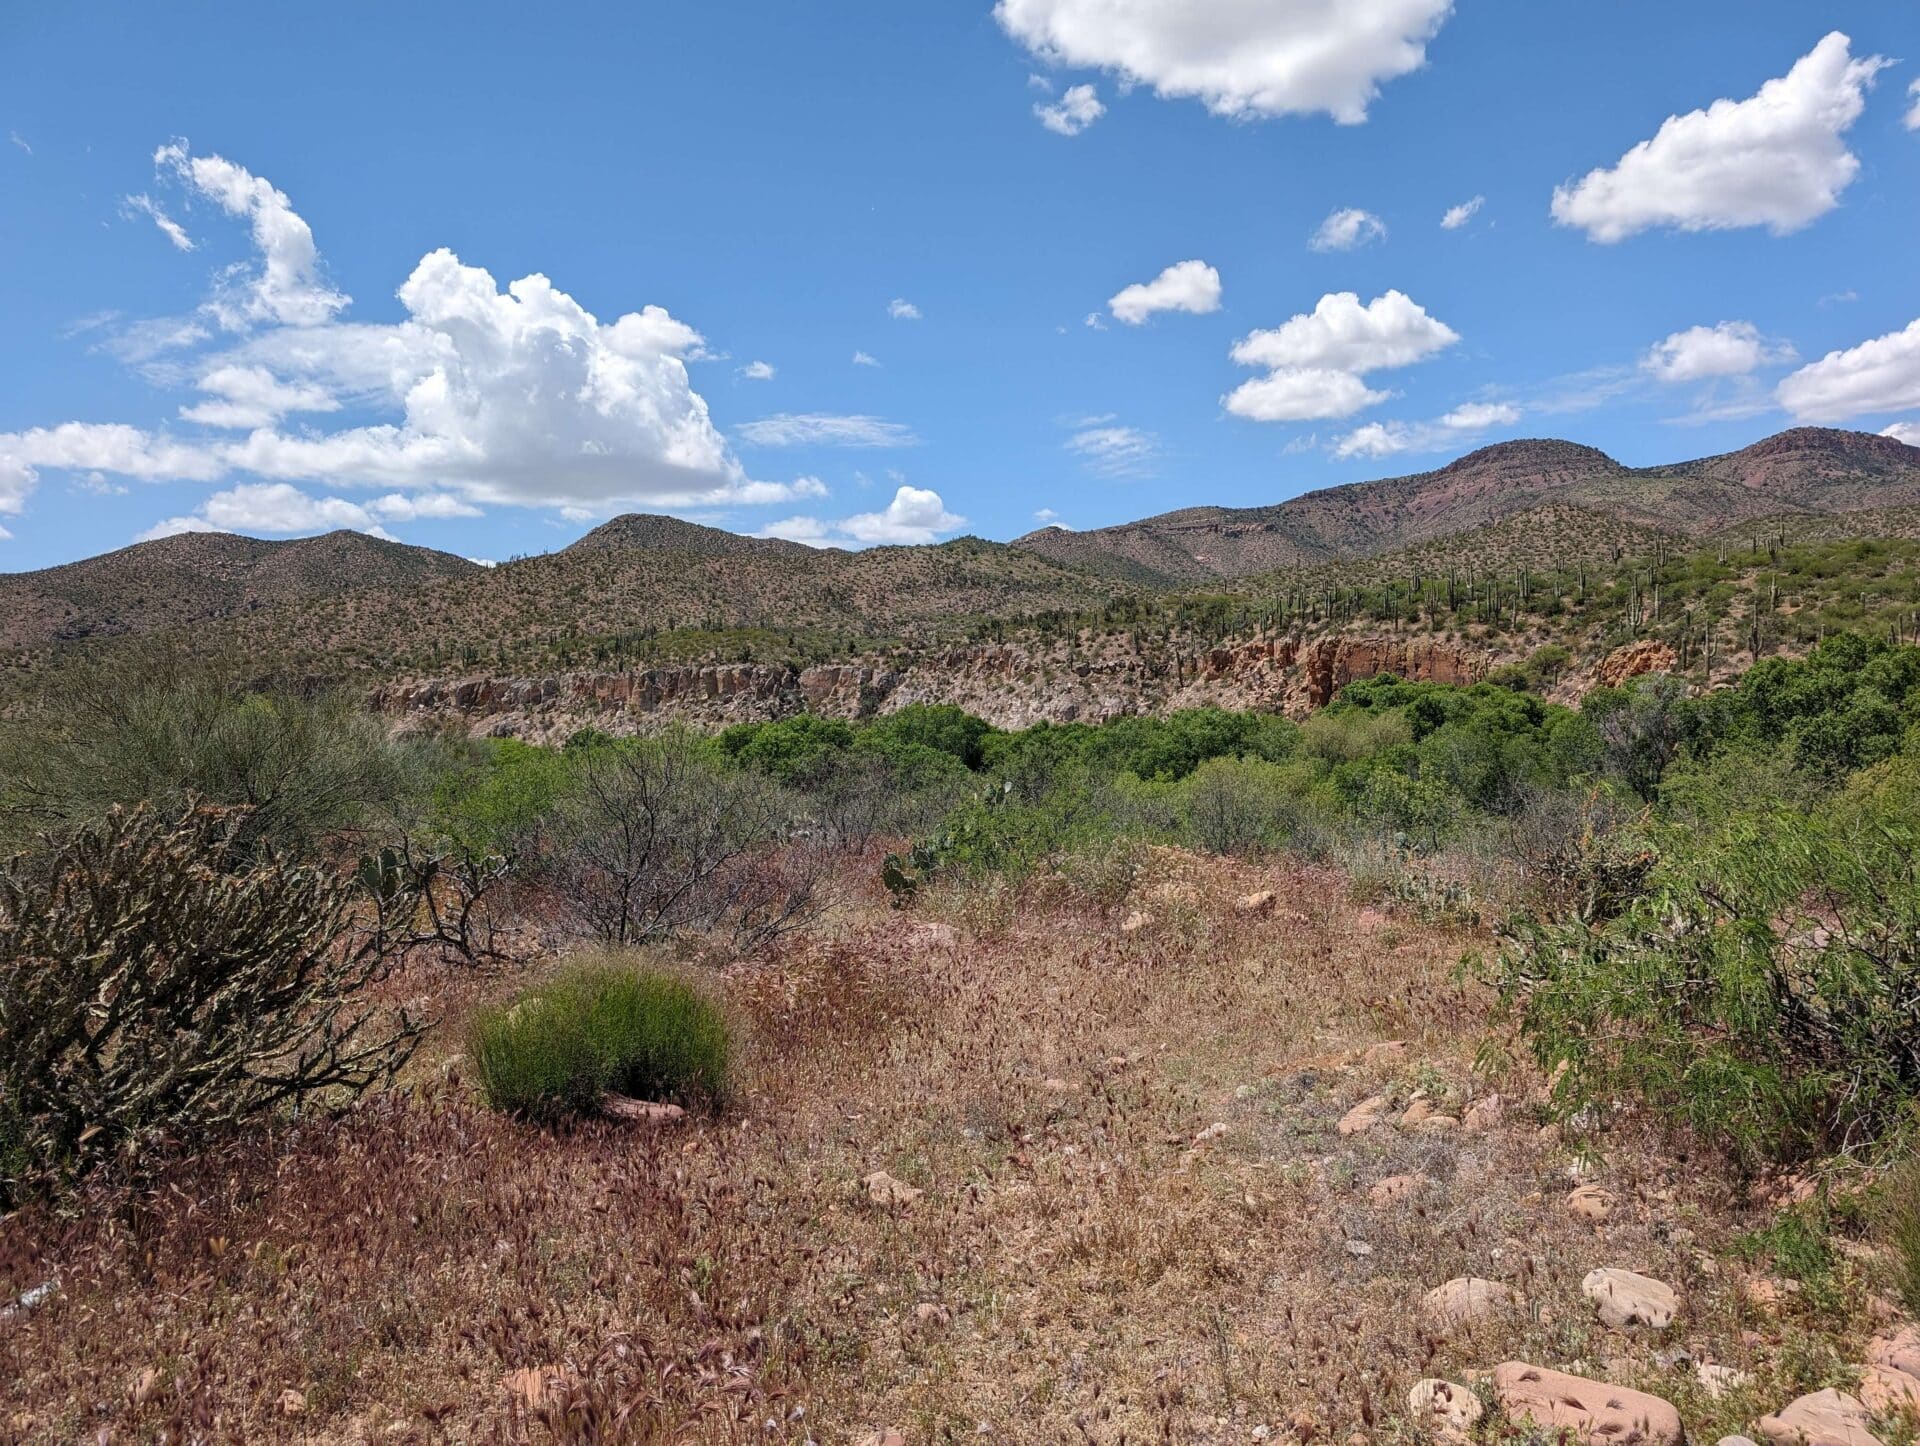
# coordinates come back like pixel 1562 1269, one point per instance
pixel 1012 686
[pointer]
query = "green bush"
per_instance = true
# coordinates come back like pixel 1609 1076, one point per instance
pixel 1763 985
pixel 603 1024
pixel 153 726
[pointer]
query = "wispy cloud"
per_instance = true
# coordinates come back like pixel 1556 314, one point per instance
pixel 145 205
pixel 823 429
pixel 1115 451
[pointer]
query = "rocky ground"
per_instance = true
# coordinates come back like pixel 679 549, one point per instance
pixel 1170 1149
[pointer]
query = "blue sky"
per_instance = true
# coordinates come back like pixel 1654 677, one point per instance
pixel 859 272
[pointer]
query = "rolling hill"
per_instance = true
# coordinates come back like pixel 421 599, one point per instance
pixel 643 589
pixel 200 577
pixel 1808 471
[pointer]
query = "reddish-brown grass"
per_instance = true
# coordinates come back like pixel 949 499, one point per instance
pixel 1139 1222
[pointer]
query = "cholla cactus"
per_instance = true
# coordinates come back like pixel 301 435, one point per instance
pixel 150 990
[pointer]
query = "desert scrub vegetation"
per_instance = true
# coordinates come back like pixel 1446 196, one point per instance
pixel 153 992
pixel 1758 976
pixel 156 724
pixel 605 1023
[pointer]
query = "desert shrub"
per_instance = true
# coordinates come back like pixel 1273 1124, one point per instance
pixel 1244 805
pixel 1352 735
pixel 654 835
pixel 1641 727
pixel 801 750
pixel 155 727
pixel 501 801
pixel 604 1024
pixel 1763 984
pixel 151 990
pixel 938 726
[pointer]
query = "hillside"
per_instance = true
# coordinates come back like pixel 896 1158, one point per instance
pixel 647 590
pixel 198 577
pixel 1807 471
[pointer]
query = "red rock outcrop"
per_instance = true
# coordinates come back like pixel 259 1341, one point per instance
pixel 1332 663
pixel 1632 660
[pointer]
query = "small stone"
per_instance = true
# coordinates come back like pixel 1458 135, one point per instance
pixel 292 1403
pixel 1447 1410
pixel 639 1112
pixel 1591 1204
pixel 1484 1113
pixel 1466 1300
pixel 1363 1116
pixel 1388 1051
pixel 1625 1298
pixel 1211 1133
pixel 932 1313
pixel 1135 922
pixel 1825 1418
pixel 1416 1113
pixel 1736 1441
pixel 1769 1294
pixel 1359 1249
pixel 1597 1413
pixel 1260 904
pixel 1056 1086
pixel 882 1438
pixel 1716 1381
pixel 1396 1188
pixel 883 1189
pixel 1548 1134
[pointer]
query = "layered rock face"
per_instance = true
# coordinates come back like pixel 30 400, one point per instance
pixel 1010 686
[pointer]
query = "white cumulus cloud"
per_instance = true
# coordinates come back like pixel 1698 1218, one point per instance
pixel 1392 330
pixel 1776 159
pixel 1191 286
pixel 1882 375
pixel 916 515
pixel 1079 108
pixel 1317 361
pixel 287 287
pixel 1731 349
pixel 1908 432
pixel 757 371
pixel 514 395
pixel 1458 216
pixel 281 509
pixel 1242 58
pixel 1457 427
pixel 900 309
pixel 1343 230
pixel 252 396
pixel 1913 116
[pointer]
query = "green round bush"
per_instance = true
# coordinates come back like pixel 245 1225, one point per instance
pixel 602 1024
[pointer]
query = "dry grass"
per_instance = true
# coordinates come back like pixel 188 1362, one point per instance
pixel 1078 1267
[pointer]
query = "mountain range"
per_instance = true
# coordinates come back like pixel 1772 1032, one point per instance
pixel 1807 472
pixel 386 606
